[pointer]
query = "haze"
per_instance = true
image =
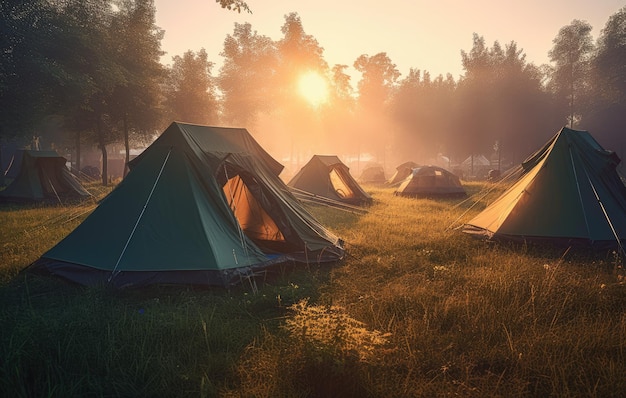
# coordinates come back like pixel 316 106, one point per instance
pixel 427 35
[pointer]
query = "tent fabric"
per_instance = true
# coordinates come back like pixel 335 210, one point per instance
pixel 373 175
pixel 569 193
pixel 329 177
pixel 478 160
pixel 201 205
pixel 42 176
pixel 431 181
pixel 402 172
pixel 15 162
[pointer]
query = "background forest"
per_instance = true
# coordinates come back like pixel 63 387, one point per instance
pixel 84 73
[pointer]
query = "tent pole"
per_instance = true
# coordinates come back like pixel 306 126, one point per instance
pixel 580 197
pixel 114 272
pixel 55 191
pixel 606 215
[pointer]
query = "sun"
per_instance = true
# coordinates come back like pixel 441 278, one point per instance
pixel 313 87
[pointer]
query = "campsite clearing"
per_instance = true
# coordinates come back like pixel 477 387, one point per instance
pixel 415 309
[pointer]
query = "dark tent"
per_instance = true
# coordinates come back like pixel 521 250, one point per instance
pixel 201 205
pixel 328 177
pixel 374 174
pixel 402 172
pixel 431 181
pixel 42 176
pixel 569 193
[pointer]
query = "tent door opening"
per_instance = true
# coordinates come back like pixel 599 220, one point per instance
pixel 340 186
pixel 258 217
pixel 50 181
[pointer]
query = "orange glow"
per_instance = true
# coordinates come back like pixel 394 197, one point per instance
pixel 313 88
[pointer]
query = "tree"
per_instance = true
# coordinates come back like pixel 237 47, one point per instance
pixel 607 112
pixel 135 102
pixel 571 55
pixel 421 108
pixel 34 79
pixel 610 60
pixel 247 75
pixel 378 78
pixel 190 90
pixel 499 98
pixel 235 5
pixel 339 116
pixel 299 54
pixel 95 51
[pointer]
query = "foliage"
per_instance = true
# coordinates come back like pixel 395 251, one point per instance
pixel 500 99
pixel 571 55
pixel 420 107
pixel 247 75
pixel 190 89
pixel 607 112
pixel 103 79
pixel 235 5
pixel 331 331
pixel 135 100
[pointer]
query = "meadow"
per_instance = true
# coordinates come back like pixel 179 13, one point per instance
pixel 416 309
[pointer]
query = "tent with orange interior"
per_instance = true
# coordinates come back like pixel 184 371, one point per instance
pixel 328 177
pixel 201 205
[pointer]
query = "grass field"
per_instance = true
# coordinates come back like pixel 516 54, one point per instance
pixel 417 309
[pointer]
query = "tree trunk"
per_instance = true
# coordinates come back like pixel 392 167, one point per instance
pixel 103 148
pixel 126 144
pixel 77 162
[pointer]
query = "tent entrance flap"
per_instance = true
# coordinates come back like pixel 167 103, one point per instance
pixel 340 186
pixel 50 181
pixel 253 219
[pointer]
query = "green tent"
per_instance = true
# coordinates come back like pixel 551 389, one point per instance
pixel 429 182
pixel 569 193
pixel 373 174
pixel 42 176
pixel 201 205
pixel 328 177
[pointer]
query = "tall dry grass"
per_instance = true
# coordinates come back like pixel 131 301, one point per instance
pixel 416 309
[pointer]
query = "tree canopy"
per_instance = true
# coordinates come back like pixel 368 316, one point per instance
pixel 103 82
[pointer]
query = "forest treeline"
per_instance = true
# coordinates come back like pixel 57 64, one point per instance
pixel 93 69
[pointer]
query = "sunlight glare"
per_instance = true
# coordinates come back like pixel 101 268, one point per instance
pixel 313 88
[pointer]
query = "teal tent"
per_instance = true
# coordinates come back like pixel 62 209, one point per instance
pixel 201 205
pixel 431 182
pixel 330 178
pixel 42 176
pixel 568 193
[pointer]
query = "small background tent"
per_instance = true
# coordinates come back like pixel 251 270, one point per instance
pixel 431 181
pixel 42 176
pixel 328 177
pixel 569 193
pixel 402 172
pixel 476 167
pixel 201 205
pixel 373 174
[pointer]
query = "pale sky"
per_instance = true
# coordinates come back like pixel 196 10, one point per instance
pixel 426 35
